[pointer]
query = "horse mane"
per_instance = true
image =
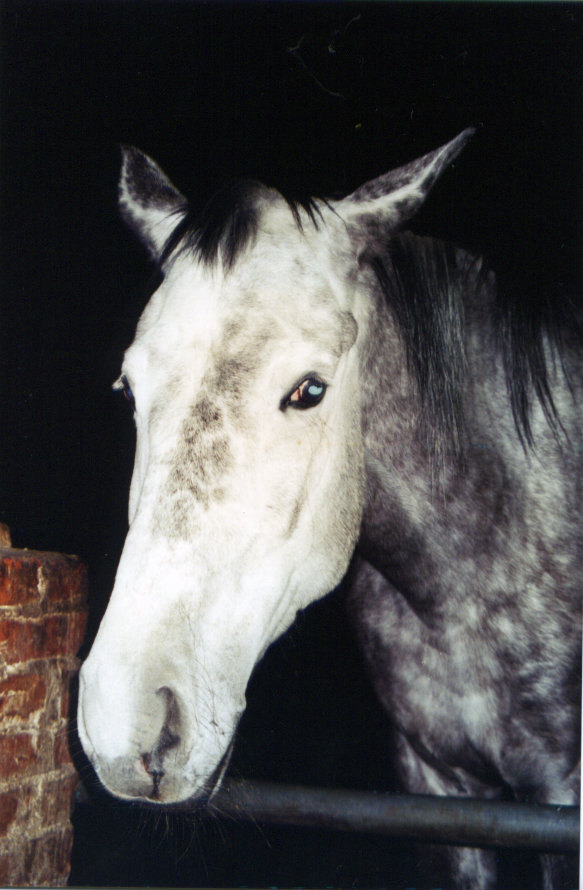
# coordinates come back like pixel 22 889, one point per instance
pixel 228 223
pixel 431 285
pixel 525 324
pixel 420 280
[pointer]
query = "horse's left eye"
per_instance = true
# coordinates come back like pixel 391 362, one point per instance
pixel 306 394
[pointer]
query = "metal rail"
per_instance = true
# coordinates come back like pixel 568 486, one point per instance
pixel 443 820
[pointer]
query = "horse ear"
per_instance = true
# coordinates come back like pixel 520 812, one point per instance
pixel 391 200
pixel 149 203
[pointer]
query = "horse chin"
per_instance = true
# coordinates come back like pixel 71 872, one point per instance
pixel 203 796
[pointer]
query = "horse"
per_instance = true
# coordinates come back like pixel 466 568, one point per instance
pixel 318 393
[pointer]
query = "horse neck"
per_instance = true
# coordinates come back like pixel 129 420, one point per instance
pixel 415 510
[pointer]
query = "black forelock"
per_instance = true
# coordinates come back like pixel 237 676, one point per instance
pixel 229 223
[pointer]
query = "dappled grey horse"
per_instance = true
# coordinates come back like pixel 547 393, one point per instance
pixel 316 391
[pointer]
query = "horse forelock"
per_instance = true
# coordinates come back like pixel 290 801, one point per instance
pixel 229 223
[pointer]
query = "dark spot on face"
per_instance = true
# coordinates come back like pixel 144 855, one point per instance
pixel 219 452
pixel 206 415
pixel 203 454
pixel 231 376
pixel 201 459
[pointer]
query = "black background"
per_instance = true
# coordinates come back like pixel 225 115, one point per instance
pixel 315 99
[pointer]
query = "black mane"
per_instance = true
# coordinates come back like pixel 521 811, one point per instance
pixel 228 223
pixel 425 282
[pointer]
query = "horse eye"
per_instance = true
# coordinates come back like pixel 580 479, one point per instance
pixel 306 394
pixel 122 385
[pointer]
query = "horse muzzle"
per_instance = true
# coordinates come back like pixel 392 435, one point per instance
pixel 148 751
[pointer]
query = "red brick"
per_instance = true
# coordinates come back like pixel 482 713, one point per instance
pixel 66 680
pixel 61 749
pixel 57 800
pixel 35 831
pixel 18 579
pixel 18 754
pixel 24 639
pixel 62 865
pixel 7 871
pixel 8 808
pixel 76 631
pixel 28 575
pixel 22 695
pixel 64 578
pixel 39 861
pixel 59 847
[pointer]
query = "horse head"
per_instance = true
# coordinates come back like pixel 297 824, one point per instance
pixel 246 379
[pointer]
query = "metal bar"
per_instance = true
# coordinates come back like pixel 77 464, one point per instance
pixel 443 820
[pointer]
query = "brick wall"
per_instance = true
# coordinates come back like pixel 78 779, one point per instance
pixel 42 621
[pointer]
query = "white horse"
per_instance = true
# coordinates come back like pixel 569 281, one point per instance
pixel 307 383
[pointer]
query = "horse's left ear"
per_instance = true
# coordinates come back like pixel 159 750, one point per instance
pixel 149 203
pixel 392 199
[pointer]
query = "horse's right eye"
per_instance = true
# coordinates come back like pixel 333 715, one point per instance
pixel 122 385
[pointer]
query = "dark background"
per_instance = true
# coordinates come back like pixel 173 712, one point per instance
pixel 315 99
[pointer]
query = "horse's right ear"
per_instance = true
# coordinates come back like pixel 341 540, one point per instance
pixel 149 203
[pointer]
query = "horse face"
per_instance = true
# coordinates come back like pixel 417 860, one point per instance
pixel 245 506
pixel 247 493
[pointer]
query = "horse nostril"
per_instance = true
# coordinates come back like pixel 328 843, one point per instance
pixel 153 765
pixel 153 760
pixel 169 737
pixel 167 740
